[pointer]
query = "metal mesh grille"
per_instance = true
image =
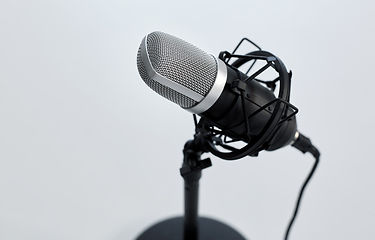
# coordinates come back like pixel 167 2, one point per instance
pixel 162 90
pixel 180 62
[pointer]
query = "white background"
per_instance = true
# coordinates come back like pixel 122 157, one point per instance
pixel 88 151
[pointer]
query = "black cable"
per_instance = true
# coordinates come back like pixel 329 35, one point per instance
pixel 304 144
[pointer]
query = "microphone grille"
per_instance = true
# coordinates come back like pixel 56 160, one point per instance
pixel 179 62
pixel 162 90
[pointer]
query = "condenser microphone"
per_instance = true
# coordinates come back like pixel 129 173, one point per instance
pixel 205 85
pixel 233 106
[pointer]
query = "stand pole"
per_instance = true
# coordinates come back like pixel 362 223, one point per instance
pixel 191 171
pixel 191 210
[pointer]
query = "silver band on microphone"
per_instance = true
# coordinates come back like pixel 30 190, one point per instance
pixel 215 92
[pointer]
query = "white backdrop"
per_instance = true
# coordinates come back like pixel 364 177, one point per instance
pixel 88 151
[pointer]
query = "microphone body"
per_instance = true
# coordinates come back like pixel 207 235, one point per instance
pixel 227 112
pixel 205 85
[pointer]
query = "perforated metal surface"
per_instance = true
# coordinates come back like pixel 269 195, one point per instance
pixel 181 63
pixel 162 90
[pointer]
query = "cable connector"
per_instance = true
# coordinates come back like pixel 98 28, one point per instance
pixel 304 144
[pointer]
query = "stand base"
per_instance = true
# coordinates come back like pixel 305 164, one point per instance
pixel 172 229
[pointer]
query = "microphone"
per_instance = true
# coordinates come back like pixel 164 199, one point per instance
pixel 230 103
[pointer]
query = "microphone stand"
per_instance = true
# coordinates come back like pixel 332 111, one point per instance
pixel 191 171
pixel 191 226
